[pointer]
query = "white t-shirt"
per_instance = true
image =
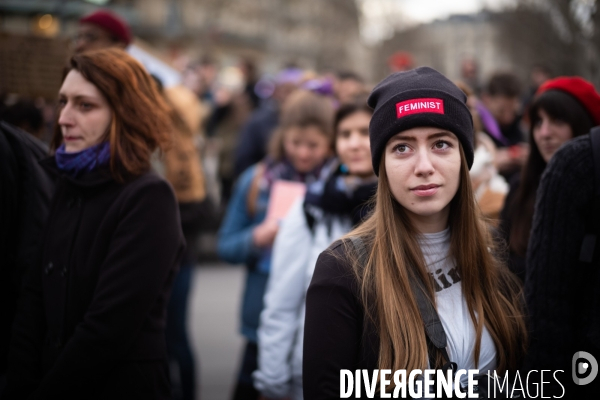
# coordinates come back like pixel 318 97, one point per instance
pixel 452 307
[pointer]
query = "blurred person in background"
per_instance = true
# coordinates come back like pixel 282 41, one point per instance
pixel 499 113
pixel 199 76
pixel 250 72
pixel 26 115
pixel 489 187
pixel 332 206
pixel 208 70
pixel 91 317
pixel 469 74
pixel 564 108
pixel 256 133
pixel 232 107
pixel 102 29
pixel 299 149
pixel 563 271
pixel 190 78
pixel 347 86
pixel 181 167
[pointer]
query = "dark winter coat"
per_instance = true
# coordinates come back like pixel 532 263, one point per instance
pixel 352 339
pixel 91 318
pixel 561 292
pixel 25 192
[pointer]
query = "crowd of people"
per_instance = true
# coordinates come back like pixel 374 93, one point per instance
pixel 362 215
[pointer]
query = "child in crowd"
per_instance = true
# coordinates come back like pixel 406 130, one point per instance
pixel 331 208
pixel 300 149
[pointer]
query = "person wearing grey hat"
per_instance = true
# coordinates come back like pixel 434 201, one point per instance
pixel 424 245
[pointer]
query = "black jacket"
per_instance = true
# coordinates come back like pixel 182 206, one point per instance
pixel 337 336
pixel 91 317
pixel 25 192
pixel 561 292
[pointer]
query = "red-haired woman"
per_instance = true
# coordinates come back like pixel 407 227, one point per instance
pixel 91 317
pixel 425 244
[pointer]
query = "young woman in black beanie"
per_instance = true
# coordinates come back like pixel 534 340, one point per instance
pixel 564 108
pixel 424 235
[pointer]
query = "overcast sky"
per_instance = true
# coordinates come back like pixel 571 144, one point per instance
pixel 379 16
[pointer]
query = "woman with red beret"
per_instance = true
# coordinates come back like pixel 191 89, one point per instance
pixel 564 108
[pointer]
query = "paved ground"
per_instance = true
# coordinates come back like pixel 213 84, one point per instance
pixel 213 327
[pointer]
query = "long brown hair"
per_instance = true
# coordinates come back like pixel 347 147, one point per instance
pixel 492 293
pixel 141 120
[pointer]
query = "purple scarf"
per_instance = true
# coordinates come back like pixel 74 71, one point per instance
pixel 490 124
pixel 83 161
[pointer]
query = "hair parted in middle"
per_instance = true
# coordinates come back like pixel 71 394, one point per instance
pixel 493 295
pixel 302 109
pixel 141 119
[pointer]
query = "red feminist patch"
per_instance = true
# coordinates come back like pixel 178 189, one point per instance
pixel 416 106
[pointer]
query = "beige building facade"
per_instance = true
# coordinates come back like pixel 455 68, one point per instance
pixel 315 34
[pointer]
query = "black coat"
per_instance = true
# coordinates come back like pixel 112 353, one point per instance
pixel 338 336
pixel 561 292
pixel 25 193
pixel 91 318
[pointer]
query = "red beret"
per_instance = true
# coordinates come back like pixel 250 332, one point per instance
pixel 110 22
pixel 579 88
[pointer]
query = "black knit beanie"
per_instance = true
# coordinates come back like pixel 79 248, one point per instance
pixel 419 97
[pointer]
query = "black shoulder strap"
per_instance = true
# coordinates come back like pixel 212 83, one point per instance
pixel 590 248
pixel 431 320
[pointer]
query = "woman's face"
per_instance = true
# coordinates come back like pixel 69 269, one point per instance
pixel 84 113
pixel 549 134
pixel 305 147
pixel 353 145
pixel 423 169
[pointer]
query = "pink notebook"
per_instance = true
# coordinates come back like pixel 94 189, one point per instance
pixel 283 195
